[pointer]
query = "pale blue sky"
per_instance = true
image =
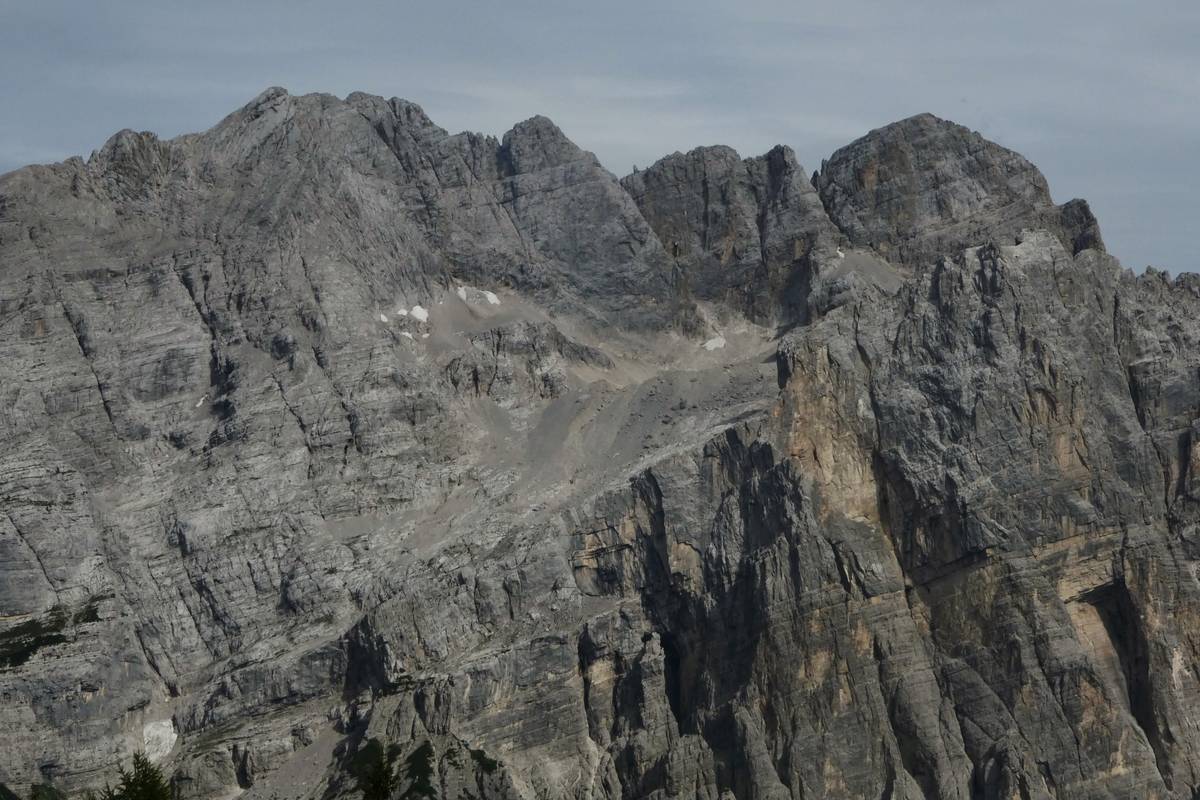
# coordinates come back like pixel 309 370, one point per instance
pixel 1103 95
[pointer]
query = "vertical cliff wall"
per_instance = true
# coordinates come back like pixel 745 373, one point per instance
pixel 331 435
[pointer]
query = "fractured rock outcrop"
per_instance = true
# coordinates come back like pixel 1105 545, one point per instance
pixel 333 439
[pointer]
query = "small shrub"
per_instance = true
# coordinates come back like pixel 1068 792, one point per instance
pixel 373 768
pixel 19 643
pixel 144 781
pixel 42 791
pixel 488 765
pixel 418 768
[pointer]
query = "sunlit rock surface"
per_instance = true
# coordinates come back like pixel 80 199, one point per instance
pixel 326 430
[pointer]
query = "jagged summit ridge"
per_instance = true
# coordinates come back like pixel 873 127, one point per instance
pixel 745 233
pixel 327 426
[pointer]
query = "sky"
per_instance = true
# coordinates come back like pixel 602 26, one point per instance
pixel 1102 95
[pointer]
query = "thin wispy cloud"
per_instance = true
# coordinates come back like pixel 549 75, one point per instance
pixel 1104 96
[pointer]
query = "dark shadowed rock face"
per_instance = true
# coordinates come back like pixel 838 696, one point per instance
pixel 334 440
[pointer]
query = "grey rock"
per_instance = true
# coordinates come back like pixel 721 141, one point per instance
pixel 745 234
pixel 327 430
pixel 515 362
pixel 925 187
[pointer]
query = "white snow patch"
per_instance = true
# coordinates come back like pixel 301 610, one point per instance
pixel 402 312
pixel 491 298
pixel 715 343
pixel 462 293
pixel 158 738
pixel 383 318
pixel 424 335
pixel 200 402
pixel 406 333
pixel 840 253
pixel 420 314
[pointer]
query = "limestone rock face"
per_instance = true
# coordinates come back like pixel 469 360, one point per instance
pixel 335 442
pixel 744 233
pixel 924 187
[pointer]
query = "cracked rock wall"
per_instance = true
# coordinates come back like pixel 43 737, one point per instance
pixel 329 434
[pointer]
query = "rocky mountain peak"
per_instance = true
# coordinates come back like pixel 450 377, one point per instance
pixel 405 113
pixel 537 144
pixel 925 186
pixel 747 234
pixel 332 438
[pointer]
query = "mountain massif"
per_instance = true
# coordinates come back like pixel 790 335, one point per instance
pixel 331 438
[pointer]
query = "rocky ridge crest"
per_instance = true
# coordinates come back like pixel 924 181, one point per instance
pixel 327 427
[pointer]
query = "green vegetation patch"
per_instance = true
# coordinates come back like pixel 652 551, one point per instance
pixel 418 768
pixel 488 765
pixel 144 781
pixel 373 767
pixel 19 643
pixel 89 613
